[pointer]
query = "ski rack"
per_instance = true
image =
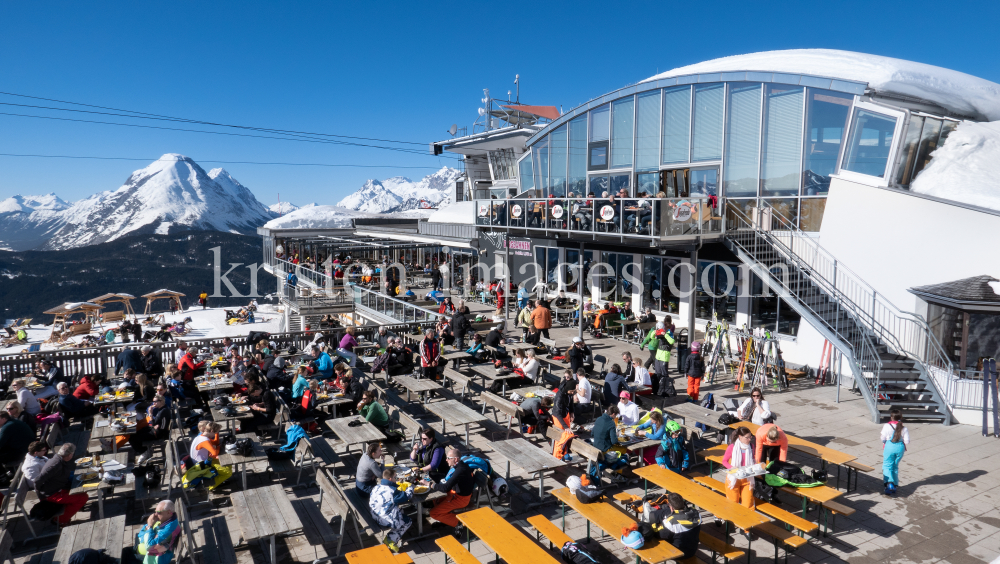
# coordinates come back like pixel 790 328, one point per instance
pixel 755 353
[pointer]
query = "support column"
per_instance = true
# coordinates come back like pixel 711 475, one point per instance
pixel 581 285
pixel 692 297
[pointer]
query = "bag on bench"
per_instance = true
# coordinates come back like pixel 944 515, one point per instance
pixel 573 554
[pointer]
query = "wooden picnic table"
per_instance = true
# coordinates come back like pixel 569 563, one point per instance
pixel 420 386
pixel 825 454
pixel 218 417
pixel 331 404
pixel 97 534
pixel 103 431
pixel 128 482
pixel 364 433
pixel 539 391
pixel 456 413
pixel 506 540
pixel 240 461
pixel 702 497
pixel 528 457
pixel 692 413
pixel 612 520
pixel 208 384
pixel 519 346
pixel 376 555
pixel 265 513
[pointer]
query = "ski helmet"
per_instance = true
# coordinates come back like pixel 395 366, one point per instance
pixel 673 426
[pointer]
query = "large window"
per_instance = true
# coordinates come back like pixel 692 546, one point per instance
pixel 704 182
pixel 557 163
pixel 647 183
pixel 826 123
pixel 676 125
pixel 526 178
pixel 578 155
pixel 647 131
pixel 923 135
pixel 547 259
pixel 706 142
pixel 782 141
pixel 870 144
pixel 600 132
pixel 540 154
pixel 712 297
pixel 742 140
pixel 656 292
pixel 771 312
pixel 622 130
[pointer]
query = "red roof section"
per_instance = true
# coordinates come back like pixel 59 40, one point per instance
pixel 548 112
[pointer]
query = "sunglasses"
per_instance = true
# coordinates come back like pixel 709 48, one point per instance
pixel 755 396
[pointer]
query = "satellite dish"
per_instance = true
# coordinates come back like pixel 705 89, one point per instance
pixel 482 111
pixel 453 129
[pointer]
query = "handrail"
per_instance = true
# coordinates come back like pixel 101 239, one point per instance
pixel 908 333
pixel 400 310
pixel 862 353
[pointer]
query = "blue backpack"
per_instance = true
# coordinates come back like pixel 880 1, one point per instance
pixel 477 463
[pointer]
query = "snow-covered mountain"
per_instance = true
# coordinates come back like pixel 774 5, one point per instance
pixel 399 193
pixel 172 194
pixel 281 208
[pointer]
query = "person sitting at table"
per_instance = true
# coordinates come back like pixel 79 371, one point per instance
pixel 755 408
pixel 56 480
pixel 373 412
pixel 534 336
pixel 444 332
pixel 739 454
pixel 672 453
pixel 383 337
pixel 628 409
pixel 86 389
pixel 300 384
pixel 48 377
pixel 152 366
pixel 15 436
pixel 682 526
pixel 346 347
pixel 24 396
pixel 321 364
pixel 458 485
pixel 205 446
pixel 35 461
pixel 580 355
pixel 354 389
pixel 446 307
pixel 604 437
pixel 73 407
pixel 385 502
pixel 163 390
pixel 562 409
pixel 495 339
pixel 262 404
pixel 370 469
pixel 400 358
pixel 155 541
pixel 771 445
pixel 145 389
pixel 15 411
pixel 429 454
pixel 614 385
pixel 475 348
pixel 157 427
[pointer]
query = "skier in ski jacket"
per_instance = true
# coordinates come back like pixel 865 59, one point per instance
pixel 430 354
pixel 384 504
pixel 682 527
pixel 154 543
pixel 672 452
pixel 694 367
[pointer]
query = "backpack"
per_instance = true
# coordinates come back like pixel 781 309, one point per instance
pixel 728 419
pixel 381 363
pixel 573 554
pixel 476 463
pixel 708 402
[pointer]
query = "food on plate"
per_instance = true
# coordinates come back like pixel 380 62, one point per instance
pixel 85 461
pixel 242 409
pixel 420 490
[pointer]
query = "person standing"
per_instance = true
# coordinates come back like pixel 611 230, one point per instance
pixel 524 318
pixel 694 367
pixel 583 409
pixel 895 438
pixel 430 354
pixel 203 299
pixel 739 454
pixel 541 318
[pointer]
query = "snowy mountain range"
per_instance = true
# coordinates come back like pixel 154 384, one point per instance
pixel 170 195
pixel 400 194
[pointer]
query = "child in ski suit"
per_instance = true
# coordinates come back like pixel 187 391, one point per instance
pixel 671 453
pixel 384 504
pixel 663 340
pixel 694 367
pixel 894 438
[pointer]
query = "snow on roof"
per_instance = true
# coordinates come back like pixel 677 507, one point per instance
pixel 459 212
pixel 956 91
pixel 330 217
pixel 966 167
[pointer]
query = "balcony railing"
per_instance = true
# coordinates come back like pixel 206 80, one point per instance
pixel 394 307
pixel 650 218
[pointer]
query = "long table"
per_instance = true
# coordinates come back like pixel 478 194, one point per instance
pixel 265 513
pixel 509 543
pixel 825 454
pixel 456 413
pixel 702 497
pixel 530 458
pixel 97 534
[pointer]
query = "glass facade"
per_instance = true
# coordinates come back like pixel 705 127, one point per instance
pixel 557 162
pixel 742 140
pixel 647 131
pixel 779 171
pixel 826 124
pixel 706 135
pixel 622 130
pixel 676 125
pixel 870 143
pixel 600 133
pixel 578 155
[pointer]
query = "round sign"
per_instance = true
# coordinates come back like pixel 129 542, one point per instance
pixel 515 210
pixel 484 210
pixel 683 211
pixel 557 211
pixel 607 213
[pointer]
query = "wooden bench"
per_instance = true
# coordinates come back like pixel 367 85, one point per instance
pixel 453 376
pixel 853 468
pixel 454 550
pixel 6 542
pixel 329 490
pixel 499 404
pixel 719 547
pixel 112 316
pixel 769 509
pixel 609 518
pixel 583 449
pixel 780 535
pixel 218 544
pixel 830 515
pixel 549 530
pixel 356 509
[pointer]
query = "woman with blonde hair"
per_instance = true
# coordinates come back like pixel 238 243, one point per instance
pixel 205 446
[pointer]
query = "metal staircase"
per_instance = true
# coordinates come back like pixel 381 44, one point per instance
pixel 891 353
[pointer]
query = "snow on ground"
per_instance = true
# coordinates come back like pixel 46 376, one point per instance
pixel 966 167
pixel 956 91
pixel 459 212
pixel 209 323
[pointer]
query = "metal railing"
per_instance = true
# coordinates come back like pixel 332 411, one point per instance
pixel 304 273
pixel 760 243
pixel 453 230
pixel 962 389
pixel 394 308
pixel 650 218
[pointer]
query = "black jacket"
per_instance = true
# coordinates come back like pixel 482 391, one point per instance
pixel 694 366
pixel 613 385
pixel 460 325
pixel 576 356
pixel 129 358
pixel 461 481
pixel 681 529
pixel 15 436
pixel 151 364
pixel 57 475
pixel 494 339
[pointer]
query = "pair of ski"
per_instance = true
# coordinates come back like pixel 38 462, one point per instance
pixel 990 385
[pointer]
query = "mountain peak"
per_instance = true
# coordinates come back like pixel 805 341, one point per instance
pixel 398 193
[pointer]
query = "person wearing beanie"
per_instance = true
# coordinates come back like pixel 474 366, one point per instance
pixel 694 367
pixel 628 409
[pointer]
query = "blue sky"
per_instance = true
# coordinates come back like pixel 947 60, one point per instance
pixel 393 70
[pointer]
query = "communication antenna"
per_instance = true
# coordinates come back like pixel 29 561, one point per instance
pixel 517 81
pixel 453 129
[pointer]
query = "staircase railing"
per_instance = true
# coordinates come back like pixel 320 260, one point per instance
pixel 905 333
pixel 862 353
